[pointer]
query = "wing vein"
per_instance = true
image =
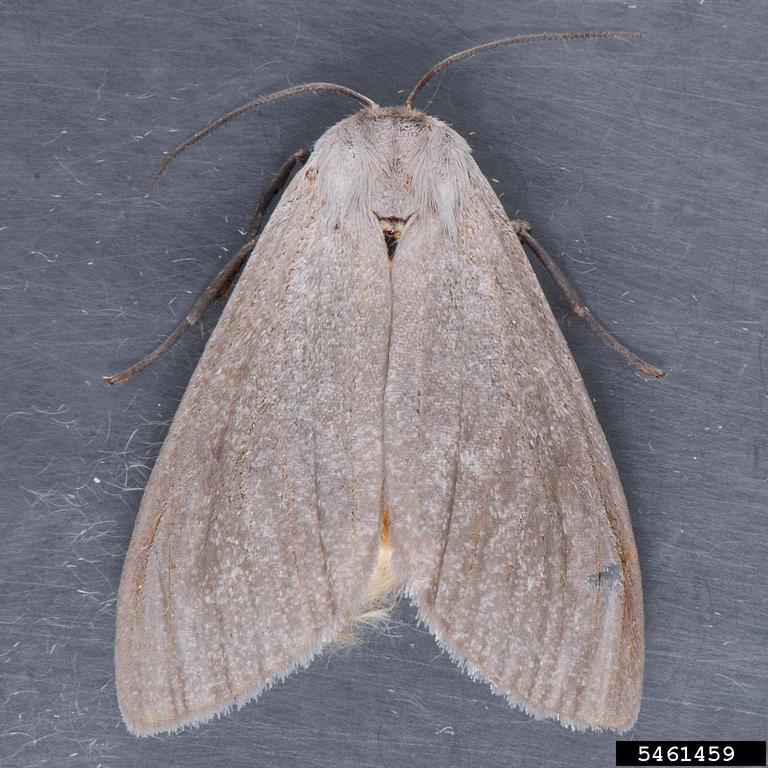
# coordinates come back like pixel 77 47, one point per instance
pixel 451 502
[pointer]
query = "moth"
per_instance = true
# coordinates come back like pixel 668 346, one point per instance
pixel 388 400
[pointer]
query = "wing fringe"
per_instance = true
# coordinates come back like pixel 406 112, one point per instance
pixel 429 620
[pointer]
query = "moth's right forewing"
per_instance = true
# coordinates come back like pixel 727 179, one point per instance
pixel 261 519
pixel 508 521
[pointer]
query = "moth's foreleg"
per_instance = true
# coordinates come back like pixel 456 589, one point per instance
pixel 223 280
pixel 577 305
pixel 274 189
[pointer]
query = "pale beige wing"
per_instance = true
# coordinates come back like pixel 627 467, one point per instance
pixel 508 520
pixel 262 516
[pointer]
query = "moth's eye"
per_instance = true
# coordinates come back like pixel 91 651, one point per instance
pixel 391 228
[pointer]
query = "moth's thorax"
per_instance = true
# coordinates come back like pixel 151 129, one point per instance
pixel 392 163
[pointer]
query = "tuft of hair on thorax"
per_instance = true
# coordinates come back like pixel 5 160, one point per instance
pixel 381 595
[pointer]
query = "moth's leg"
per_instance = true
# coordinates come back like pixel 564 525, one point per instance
pixel 578 307
pixel 223 280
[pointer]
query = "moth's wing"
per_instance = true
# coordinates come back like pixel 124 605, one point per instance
pixel 262 515
pixel 508 520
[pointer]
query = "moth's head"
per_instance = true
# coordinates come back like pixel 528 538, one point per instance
pixel 397 113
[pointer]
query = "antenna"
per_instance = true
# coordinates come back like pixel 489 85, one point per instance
pixel 540 38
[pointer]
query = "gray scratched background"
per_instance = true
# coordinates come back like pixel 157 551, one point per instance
pixel 642 166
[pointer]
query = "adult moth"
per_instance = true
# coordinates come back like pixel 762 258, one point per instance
pixel 386 396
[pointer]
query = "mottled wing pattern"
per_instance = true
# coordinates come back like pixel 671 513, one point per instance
pixel 508 521
pixel 262 516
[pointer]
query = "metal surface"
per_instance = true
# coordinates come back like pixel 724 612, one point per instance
pixel 641 165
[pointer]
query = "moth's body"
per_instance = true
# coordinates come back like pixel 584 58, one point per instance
pixel 344 380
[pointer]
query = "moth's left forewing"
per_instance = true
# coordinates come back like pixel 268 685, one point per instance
pixel 259 526
pixel 508 520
